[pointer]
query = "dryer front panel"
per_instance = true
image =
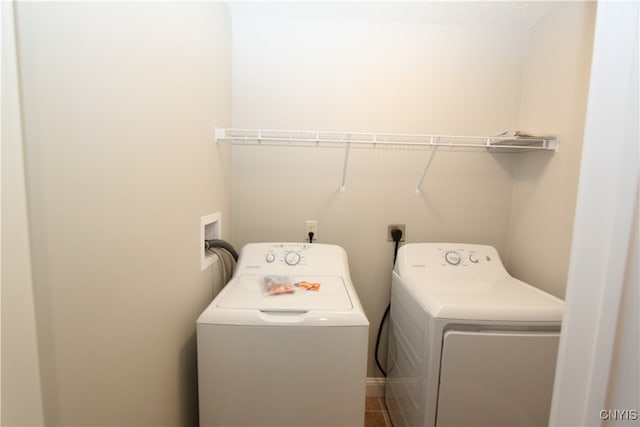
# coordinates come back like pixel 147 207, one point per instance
pixel 496 378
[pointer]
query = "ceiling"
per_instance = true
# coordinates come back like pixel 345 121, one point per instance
pixel 505 14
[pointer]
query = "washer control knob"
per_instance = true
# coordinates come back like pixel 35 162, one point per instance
pixel 292 258
pixel 452 258
pixel 473 258
pixel 270 257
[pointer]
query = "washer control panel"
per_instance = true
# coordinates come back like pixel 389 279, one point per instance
pixel 286 254
pixel 287 257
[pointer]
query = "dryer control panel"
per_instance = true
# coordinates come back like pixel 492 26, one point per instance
pixel 464 256
pixel 447 259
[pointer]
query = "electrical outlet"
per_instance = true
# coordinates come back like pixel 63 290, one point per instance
pixel 311 226
pixel 393 227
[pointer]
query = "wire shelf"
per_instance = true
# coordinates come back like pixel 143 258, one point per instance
pixel 501 143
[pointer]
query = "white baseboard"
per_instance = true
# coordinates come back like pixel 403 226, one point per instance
pixel 375 386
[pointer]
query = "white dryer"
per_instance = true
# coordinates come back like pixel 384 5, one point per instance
pixel 469 345
pixel 297 358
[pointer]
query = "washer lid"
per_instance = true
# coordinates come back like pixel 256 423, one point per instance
pixel 247 292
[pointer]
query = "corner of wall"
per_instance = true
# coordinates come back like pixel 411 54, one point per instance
pixel 553 100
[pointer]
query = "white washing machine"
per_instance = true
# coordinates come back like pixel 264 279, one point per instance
pixel 469 345
pixel 296 358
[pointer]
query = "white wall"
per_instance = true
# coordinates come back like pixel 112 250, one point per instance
pixel 624 380
pixel 120 105
pixel 373 76
pixel 556 78
pixel 597 366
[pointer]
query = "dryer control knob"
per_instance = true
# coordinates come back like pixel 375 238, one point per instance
pixel 473 258
pixel 452 258
pixel 292 258
pixel 270 257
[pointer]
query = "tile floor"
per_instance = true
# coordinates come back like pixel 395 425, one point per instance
pixel 375 413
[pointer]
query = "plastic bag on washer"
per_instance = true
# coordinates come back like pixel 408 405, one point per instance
pixel 275 285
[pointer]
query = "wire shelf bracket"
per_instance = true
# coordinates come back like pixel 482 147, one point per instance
pixel 432 154
pixel 347 148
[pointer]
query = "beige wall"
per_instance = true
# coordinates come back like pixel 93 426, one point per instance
pixel 554 99
pixel 373 76
pixel 120 105
pixel 21 394
pixel 416 77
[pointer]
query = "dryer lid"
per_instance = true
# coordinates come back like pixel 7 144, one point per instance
pixel 506 299
pixel 469 282
pixel 247 292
